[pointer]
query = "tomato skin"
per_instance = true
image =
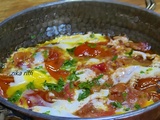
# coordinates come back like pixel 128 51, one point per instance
pixel 53 67
pixel 142 46
pixel 20 57
pixel 101 67
pixel 69 92
pixel 147 83
pixel 54 54
pixel 90 111
pixel 116 92
pixel 36 97
pixel 4 84
pixel 86 50
pixel 53 64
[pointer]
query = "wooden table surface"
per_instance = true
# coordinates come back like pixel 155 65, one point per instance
pixel 10 7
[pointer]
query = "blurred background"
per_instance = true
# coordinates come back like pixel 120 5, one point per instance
pixel 10 7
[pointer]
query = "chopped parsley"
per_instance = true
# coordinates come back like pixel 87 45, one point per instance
pixel 69 65
pixel 137 106
pixel 41 69
pixel 33 36
pixel 30 86
pixel 85 93
pixel 124 94
pixel 92 45
pixel 92 35
pixel 45 53
pixel 73 76
pixel 57 87
pixel 148 70
pixel 116 104
pixel 38 67
pixel 16 96
pixel 129 53
pixel 96 80
pixel 90 84
pixel 71 51
pixel 47 112
pixel 114 58
pixel 142 72
pixel 108 85
pixel 86 87
pixel 126 109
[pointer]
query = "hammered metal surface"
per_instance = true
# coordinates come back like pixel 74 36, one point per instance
pixel 47 21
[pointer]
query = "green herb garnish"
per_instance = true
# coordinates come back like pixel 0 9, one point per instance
pixel 15 97
pixel 96 80
pixel 126 109
pixel 90 84
pixel 85 93
pixel 85 85
pixel 114 58
pixel 57 87
pixel 69 65
pixel 129 53
pixel 33 36
pixel 142 72
pixel 108 85
pixel 38 67
pixel 148 70
pixel 137 106
pixel 92 35
pixel 47 112
pixel 71 51
pixel 30 86
pixel 116 104
pixel 124 94
pixel 73 76
pixel 92 45
pixel 45 53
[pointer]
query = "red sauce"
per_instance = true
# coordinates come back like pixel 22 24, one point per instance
pixel 4 84
pixel 90 111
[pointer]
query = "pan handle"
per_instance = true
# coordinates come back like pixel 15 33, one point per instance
pixel 150 4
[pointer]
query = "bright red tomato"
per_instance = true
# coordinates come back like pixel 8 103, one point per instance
pixel 100 68
pixel 53 64
pixel 53 67
pixel 87 49
pixel 4 84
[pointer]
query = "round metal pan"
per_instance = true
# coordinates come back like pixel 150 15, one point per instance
pixel 47 21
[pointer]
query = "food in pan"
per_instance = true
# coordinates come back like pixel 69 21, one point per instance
pixel 90 75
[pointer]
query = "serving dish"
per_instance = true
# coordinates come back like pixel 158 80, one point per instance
pixel 38 24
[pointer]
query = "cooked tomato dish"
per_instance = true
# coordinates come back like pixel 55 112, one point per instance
pixel 89 75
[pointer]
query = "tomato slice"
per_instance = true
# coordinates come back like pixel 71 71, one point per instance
pixel 87 49
pixel 20 57
pixel 54 62
pixel 34 98
pixel 90 111
pixel 142 46
pixel 69 92
pixel 53 67
pixel 99 68
pixel 4 84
